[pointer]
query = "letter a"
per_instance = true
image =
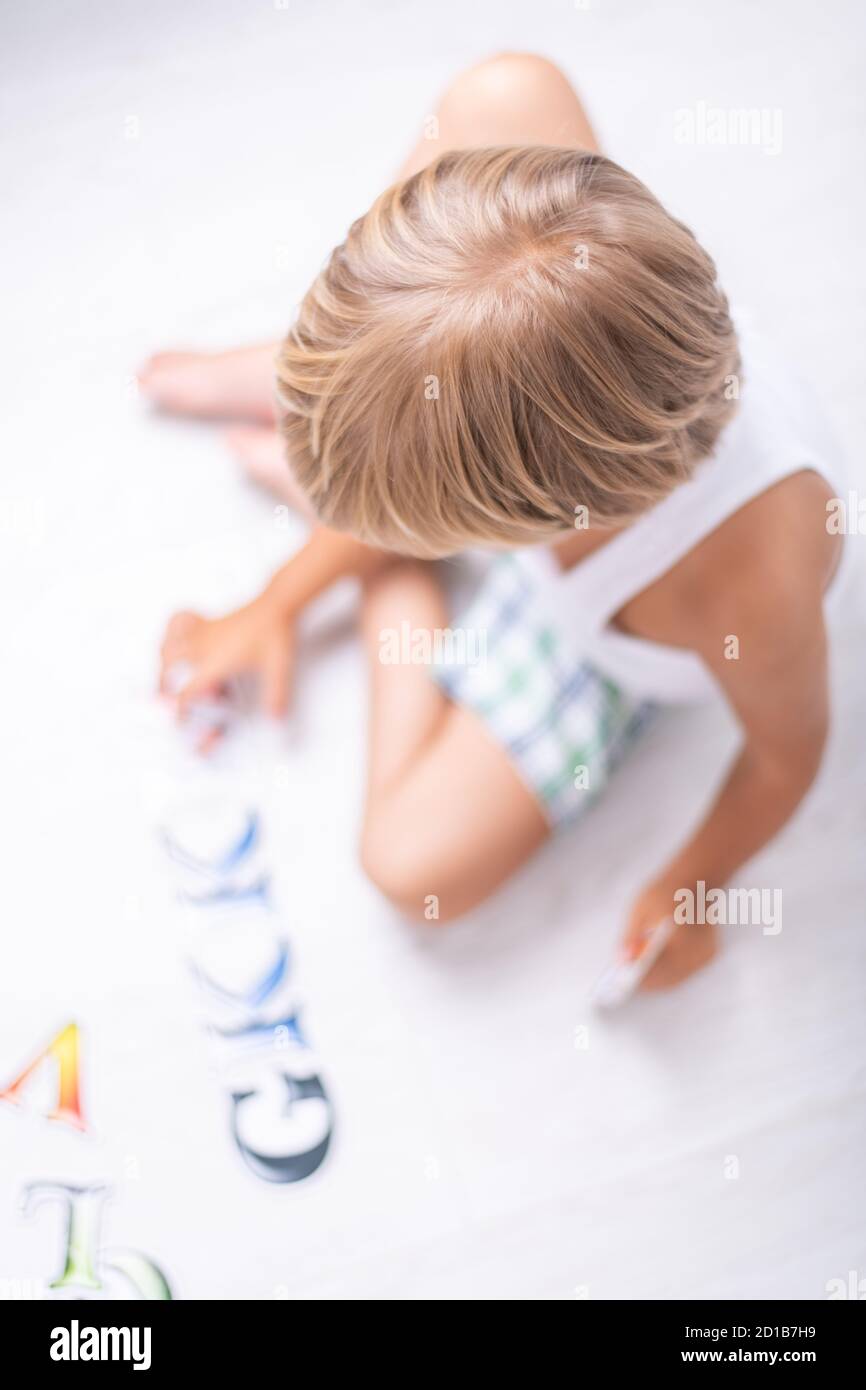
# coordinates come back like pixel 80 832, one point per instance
pixel 60 1344
pixel 63 1050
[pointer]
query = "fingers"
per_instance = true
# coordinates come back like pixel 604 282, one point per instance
pixel 177 645
pixel 182 625
pixel 634 947
pixel 636 936
pixel 641 934
pixel 276 676
pixel 198 656
pixel 209 741
pixel 653 907
pixel 205 682
pixel 186 674
pixel 690 948
pixel 202 707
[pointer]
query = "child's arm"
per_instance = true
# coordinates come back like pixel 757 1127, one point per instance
pixel 326 557
pixel 778 688
pixel 258 637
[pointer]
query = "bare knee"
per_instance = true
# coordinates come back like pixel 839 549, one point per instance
pixel 397 861
pixel 506 78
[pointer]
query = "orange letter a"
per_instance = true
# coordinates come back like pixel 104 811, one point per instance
pixel 64 1051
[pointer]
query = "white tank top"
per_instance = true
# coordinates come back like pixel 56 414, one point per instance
pixel 778 430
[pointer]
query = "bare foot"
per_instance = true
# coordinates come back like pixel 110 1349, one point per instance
pixel 235 385
pixel 262 455
pixel 690 948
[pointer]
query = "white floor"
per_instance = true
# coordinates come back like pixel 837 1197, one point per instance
pixel 175 173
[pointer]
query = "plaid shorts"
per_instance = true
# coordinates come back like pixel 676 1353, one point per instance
pixel 563 724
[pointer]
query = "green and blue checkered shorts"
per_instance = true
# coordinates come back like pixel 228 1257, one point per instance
pixel 563 724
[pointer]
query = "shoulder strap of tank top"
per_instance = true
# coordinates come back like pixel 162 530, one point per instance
pixel 753 454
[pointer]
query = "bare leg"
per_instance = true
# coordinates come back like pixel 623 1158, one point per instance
pixel 513 99
pixel 447 818
pixel 235 385
pixel 261 452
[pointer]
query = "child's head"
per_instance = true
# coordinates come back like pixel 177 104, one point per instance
pixel 506 336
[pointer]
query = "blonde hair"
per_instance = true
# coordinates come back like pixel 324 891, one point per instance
pixel 506 336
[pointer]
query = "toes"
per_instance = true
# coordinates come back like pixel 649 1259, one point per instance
pixel 252 440
pixel 259 451
pixel 176 382
pixel 239 439
pixel 153 367
pixel 262 455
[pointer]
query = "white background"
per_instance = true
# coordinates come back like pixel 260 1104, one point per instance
pixel 479 1152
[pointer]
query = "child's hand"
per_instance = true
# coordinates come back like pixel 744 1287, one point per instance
pixel 255 639
pixel 691 946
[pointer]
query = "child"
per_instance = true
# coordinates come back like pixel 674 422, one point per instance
pixel 517 347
